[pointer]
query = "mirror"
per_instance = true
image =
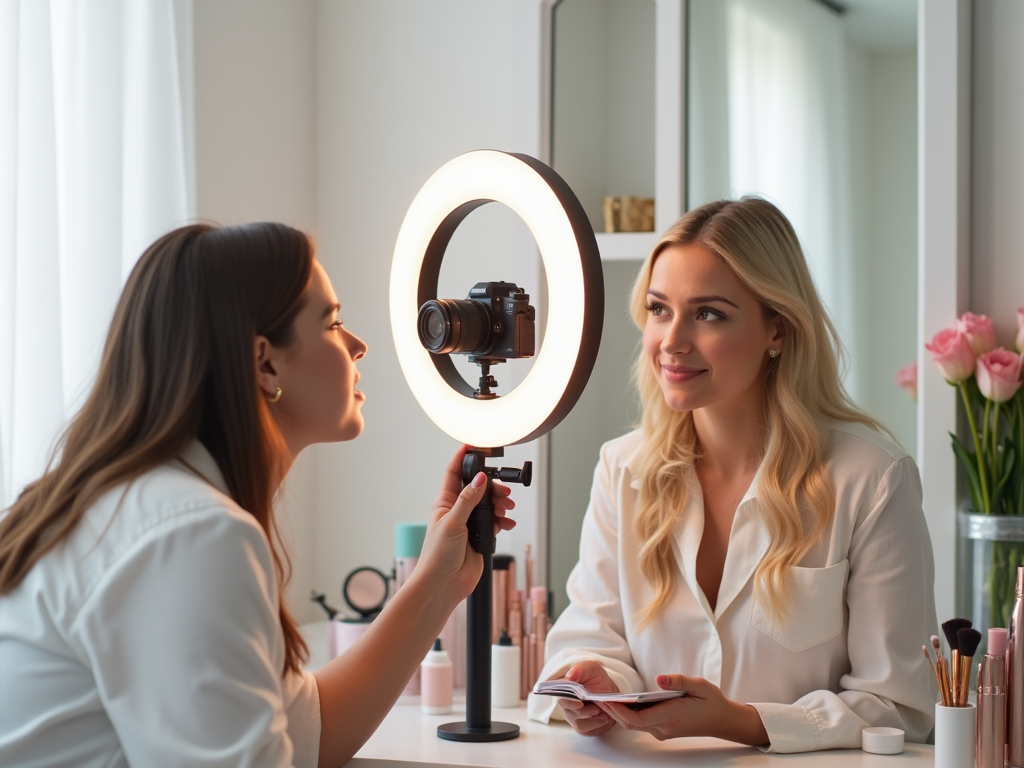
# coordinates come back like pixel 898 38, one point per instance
pixel 365 590
pixel 816 109
pixel 810 103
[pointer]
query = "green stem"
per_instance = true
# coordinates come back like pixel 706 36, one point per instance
pixel 977 448
pixel 996 462
pixel 985 421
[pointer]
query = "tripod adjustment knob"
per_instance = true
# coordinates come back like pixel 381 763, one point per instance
pixel 513 475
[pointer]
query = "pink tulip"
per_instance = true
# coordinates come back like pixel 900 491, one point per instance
pixel 979 331
pixel 998 375
pixel 1020 329
pixel 951 352
pixel 906 377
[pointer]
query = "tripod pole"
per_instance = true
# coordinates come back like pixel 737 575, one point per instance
pixel 478 725
pixel 478 649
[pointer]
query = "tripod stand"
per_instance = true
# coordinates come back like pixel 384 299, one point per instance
pixel 478 725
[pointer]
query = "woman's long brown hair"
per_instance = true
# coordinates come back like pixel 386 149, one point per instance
pixel 178 365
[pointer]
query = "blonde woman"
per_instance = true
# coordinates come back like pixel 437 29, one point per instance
pixel 758 542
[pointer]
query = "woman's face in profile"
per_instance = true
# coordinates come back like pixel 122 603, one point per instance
pixel 317 373
pixel 706 335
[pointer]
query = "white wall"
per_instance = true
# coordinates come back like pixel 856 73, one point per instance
pixel 997 217
pixel 254 159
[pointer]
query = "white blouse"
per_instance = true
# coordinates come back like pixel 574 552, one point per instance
pixel 861 604
pixel 150 637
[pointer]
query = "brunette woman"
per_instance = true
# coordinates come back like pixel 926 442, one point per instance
pixel 141 577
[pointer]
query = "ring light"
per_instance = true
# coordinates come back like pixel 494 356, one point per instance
pixel 575 287
pixel 572 335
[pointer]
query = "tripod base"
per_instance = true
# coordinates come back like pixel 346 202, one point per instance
pixel 462 732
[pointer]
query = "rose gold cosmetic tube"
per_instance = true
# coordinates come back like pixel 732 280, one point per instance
pixel 1015 680
pixel 991 712
pixel 499 596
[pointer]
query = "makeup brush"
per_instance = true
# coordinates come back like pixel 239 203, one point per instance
pixel 949 629
pixel 931 664
pixel 969 640
pixel 940 672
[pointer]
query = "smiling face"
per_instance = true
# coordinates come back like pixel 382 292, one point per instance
pixel 316 372
pixel 706 334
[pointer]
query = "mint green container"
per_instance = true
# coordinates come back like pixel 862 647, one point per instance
pixel 409 539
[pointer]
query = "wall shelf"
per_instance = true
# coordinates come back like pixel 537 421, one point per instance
pixel 625 246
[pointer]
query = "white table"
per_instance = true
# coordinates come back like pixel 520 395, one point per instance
pixel 407 736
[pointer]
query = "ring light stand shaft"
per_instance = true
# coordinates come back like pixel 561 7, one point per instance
pixel 478 725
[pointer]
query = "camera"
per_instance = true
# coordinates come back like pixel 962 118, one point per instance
pixel 494 322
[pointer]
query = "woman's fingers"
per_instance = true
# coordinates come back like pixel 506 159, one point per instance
pixel 592 675
pixel 451 484
pixel 623 715
pixel 468 498
pixel 584 718
pixel 681 683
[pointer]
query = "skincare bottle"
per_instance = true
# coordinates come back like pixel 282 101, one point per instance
pixel 408 544
pixel 1015 680
pixel 992 702
pixel 505 672
pixel 437 681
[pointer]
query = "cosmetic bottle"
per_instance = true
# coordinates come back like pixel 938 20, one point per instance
pixel 505 672
pixel 408 545
pixel 437 681
pixel 538 635
pixel 499 600
pixel 1015 680
pixel 992 702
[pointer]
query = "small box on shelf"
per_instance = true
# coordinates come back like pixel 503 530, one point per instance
pixel 629 214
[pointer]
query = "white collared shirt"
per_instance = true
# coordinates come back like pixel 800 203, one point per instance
pixel 861 604
pixel 150 637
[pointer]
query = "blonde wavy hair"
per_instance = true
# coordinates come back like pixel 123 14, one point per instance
pixel 803 392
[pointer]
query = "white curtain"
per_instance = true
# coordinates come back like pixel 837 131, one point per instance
pixel 96 161
pixel 767 115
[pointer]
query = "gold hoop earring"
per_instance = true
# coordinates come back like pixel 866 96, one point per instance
pixel 773 354
pixel 276 397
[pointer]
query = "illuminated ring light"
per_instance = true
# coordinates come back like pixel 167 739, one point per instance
pixel 575 288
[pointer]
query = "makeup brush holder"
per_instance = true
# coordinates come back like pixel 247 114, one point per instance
pixel 955 734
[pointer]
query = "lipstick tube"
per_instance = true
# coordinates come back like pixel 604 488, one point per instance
pixel 499 600
pixel 991 711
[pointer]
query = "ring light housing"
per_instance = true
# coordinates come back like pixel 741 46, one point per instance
pixel 575 283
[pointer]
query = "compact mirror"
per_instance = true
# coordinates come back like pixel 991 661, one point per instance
pixel 366 590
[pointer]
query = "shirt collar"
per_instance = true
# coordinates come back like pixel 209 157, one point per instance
pixel 634 477
pixel 199 461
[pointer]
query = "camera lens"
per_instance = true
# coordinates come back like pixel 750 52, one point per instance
pixel 454 325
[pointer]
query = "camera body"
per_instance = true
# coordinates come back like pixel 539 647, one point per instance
pixel 495 322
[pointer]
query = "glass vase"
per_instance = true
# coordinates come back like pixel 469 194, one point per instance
pixel 990 549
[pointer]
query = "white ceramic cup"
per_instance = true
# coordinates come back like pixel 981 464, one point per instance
pixel 955 729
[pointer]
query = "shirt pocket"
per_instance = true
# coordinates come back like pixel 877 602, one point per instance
pixel 816 598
